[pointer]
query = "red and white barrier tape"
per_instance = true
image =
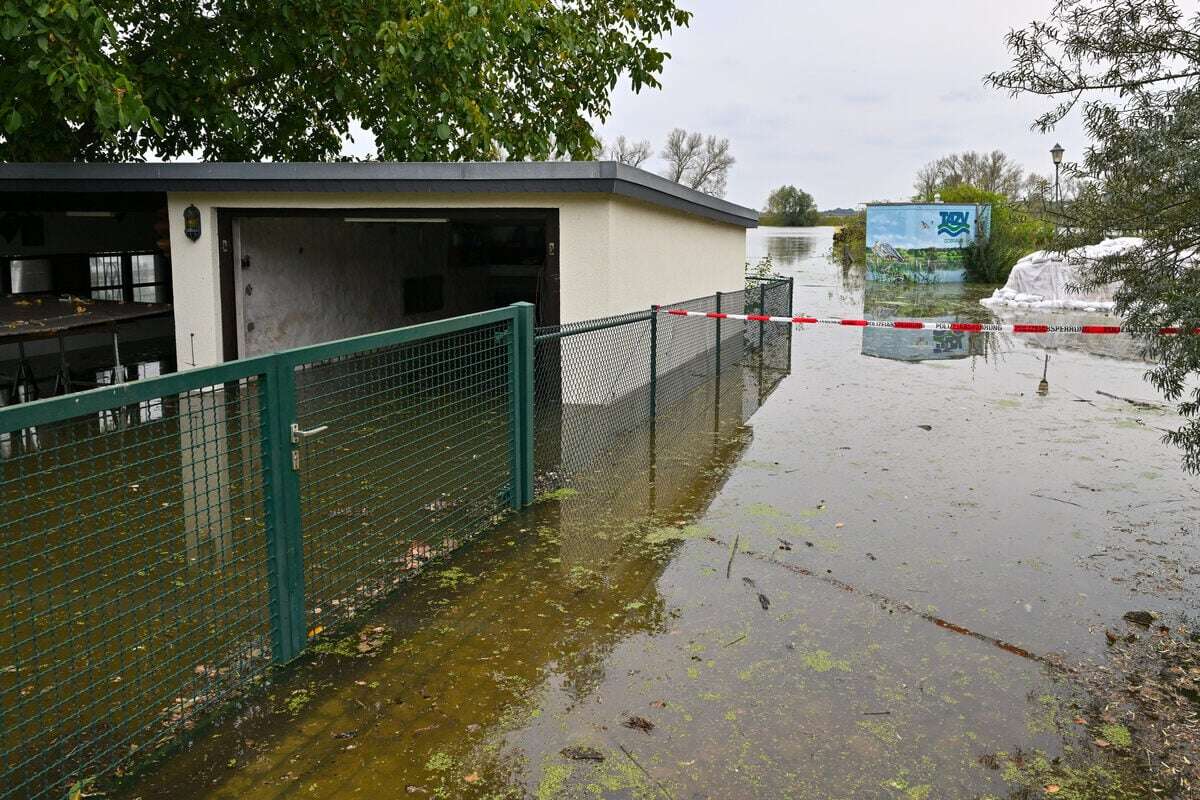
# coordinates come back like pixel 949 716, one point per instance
pixel 914 325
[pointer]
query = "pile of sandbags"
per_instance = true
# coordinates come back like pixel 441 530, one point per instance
pixel 1043 279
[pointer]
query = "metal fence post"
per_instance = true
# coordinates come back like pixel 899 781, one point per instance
pixel 653 361
pixel 281 493
pixel 718 310
pixel 791 296
pixel 762 309
pixel 717 382
pixel 521 398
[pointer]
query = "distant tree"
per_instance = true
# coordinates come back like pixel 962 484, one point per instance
pixel 435 81
pixel 681 152
pixel 788 206
pixel 929 181
pixel 699 162
pixel 992 172
pixel 712 169
pixel 632 153
pixel 1133 69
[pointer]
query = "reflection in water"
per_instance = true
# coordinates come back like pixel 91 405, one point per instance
pixel 787 246
pixel 942 302
pixel 27 440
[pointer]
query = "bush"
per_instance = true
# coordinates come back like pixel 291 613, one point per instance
pixel 1014 233
pixel 765 268
pixel 850 240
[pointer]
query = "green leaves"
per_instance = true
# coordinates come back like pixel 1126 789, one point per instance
pixel 457 79
pixel 66 78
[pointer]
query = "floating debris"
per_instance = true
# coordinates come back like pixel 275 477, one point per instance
pixel 583 753
pixel 1142 618
pixel 638 724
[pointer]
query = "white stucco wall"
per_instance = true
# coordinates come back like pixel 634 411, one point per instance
pixel 657 255
pixel 616 255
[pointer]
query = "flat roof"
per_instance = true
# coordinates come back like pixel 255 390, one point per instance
pixel 374 176
pixel 924 203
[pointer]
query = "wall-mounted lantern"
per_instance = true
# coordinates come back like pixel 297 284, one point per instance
pixel 191 223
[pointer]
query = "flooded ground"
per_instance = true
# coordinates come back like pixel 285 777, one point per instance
pixel 883 584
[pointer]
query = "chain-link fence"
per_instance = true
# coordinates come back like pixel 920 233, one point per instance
pixel 598 380
pixel 773 297
pixel 163 542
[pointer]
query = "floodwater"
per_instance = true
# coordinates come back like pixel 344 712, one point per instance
pixel 879 585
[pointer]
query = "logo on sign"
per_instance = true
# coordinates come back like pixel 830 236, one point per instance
pixel 954 223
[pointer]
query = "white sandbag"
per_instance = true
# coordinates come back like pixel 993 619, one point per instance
pixel 1040 280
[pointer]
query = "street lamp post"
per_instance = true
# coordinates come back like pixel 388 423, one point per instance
pixel 1056 153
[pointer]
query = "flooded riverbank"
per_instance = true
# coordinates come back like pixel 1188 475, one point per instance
pixel 882 583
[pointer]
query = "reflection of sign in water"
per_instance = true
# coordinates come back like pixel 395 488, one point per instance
pixel 954 223
pixel 922 242
pixel 926 345
pixel 948 342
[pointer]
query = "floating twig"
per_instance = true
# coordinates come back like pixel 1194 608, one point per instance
pixel 1055 499
pixel 732 553
pixel 654 780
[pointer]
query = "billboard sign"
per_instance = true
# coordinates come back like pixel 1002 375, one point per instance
pixel 922 242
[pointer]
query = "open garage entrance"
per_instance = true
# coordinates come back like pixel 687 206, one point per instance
pixel 300 277
pixel 85 291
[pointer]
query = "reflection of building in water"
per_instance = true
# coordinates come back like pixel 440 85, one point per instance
pixel 922 345
pixel 938 303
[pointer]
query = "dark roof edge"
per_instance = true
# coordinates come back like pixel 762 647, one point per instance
pixel 375 176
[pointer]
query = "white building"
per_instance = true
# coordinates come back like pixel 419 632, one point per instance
pixel 258 257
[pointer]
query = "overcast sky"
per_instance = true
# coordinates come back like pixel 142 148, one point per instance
pixel 844 100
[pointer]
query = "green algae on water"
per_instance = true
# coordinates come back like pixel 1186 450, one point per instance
pixel 823 661
pixel 1116 734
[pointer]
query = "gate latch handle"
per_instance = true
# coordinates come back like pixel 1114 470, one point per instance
pixel 298 434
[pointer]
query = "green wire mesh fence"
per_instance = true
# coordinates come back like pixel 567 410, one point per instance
pixel 419 465
pixel 163 543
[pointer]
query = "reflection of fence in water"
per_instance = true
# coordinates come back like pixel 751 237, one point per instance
pixel 664 468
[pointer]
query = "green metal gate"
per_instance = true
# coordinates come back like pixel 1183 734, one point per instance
pixel 164 542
